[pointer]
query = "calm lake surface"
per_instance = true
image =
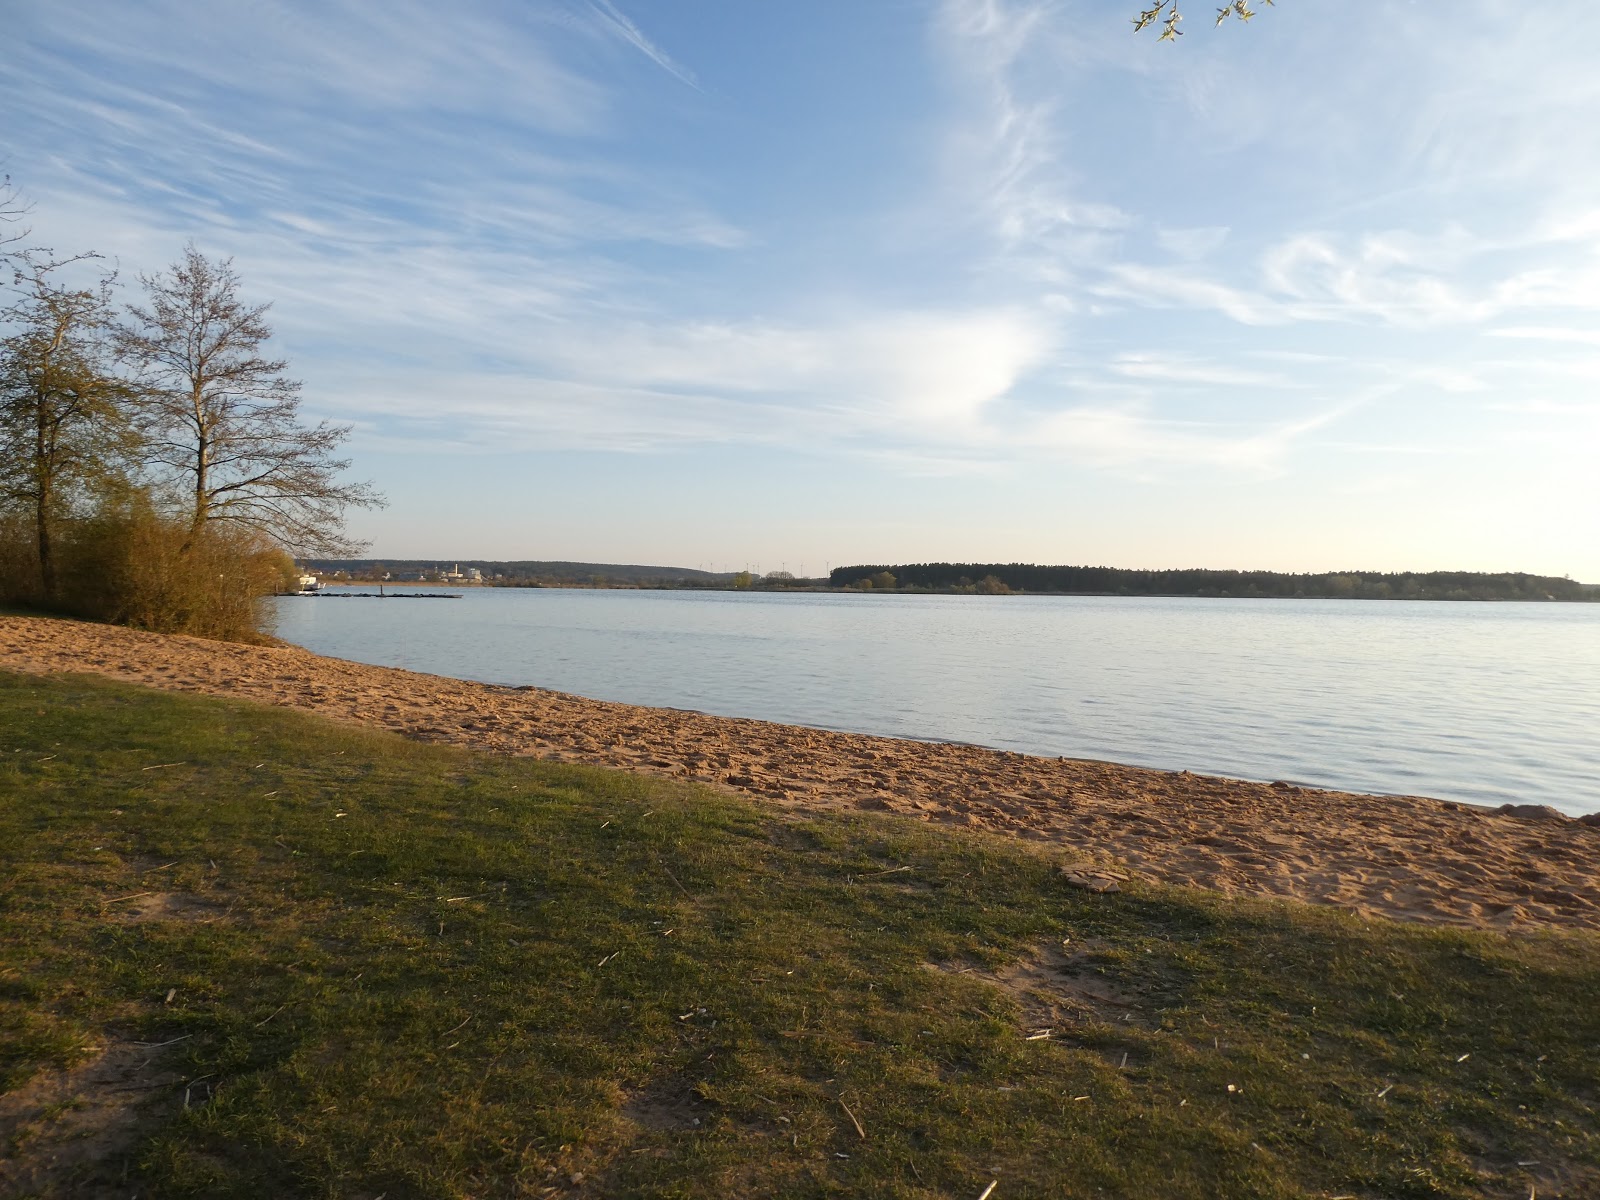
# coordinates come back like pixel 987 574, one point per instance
pixel 1479 702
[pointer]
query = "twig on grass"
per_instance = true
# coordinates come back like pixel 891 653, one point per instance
pixel 675 882
pixel 275 1012
pixel 162 766
pixel 463 1025
pixel 989 1191
pixel 862 1133
pixel 474 896
pixel 135 896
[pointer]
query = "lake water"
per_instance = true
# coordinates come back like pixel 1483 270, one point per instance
pixel 1478 702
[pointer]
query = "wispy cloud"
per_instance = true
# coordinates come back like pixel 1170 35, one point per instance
pixel 1167 368
pixel 619 23
pixel 1008 148
pixel 1547 333
pixel 1126 438
pixel 977 239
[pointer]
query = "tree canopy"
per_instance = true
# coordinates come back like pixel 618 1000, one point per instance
pixel 64 418
pixel 224 420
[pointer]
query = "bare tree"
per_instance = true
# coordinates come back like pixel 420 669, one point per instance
pixel 223 420
pixel 63 409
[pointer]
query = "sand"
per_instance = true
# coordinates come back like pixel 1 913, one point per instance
pixel 1408 858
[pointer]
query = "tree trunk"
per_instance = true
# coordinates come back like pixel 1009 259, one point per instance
pixel 44 489
pixel 47 559
pixel 202 498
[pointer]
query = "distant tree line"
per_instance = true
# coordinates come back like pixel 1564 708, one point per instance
pixel 1115 581
pixel 516 572
pixel 154 467
pixel 539 573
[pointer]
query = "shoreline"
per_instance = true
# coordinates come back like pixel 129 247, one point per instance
pixel 915 591
pixel 1404 857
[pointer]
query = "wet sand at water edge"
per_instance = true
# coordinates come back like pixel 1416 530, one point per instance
pixel 1408 858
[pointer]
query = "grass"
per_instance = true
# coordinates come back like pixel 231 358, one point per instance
pixel 411 971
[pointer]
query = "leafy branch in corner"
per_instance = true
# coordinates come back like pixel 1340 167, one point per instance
pixel 1169 15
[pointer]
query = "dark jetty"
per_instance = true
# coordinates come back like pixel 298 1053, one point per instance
pixel 377 595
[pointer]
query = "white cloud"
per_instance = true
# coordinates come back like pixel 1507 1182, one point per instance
pixel 1127 439
pixel 921 374
pixel 1165 287
pixel 1394 277
pixel 1167 368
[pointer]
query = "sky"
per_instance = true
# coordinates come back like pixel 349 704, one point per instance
pixel 790 286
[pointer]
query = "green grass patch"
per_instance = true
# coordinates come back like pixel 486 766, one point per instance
pixel 413 971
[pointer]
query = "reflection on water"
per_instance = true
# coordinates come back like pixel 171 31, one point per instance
pixel 1478 702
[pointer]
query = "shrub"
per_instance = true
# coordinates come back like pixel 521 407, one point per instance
pixel 135 567
pixel 130 565
pixel 19 562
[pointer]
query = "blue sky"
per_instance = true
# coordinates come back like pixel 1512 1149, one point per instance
pixel 775 286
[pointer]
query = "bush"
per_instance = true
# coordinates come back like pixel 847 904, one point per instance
pixel 129 565
pixel 991 585
pixel 140 569
pixel 19 563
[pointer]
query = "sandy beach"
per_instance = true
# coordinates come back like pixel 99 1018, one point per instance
pixel 1408 858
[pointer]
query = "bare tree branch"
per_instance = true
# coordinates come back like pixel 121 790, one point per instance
pixel 1168 14
pixel 13 208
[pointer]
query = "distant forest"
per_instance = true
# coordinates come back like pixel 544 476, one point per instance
pixel 1113 581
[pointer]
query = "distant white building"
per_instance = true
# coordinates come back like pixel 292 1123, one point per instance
pixel 310 583
pixel 474 575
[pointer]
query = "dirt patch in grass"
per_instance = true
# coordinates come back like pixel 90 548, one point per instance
pixel 67 1133
pixel 167 906
pixel 667 1104
pixel 1057 986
